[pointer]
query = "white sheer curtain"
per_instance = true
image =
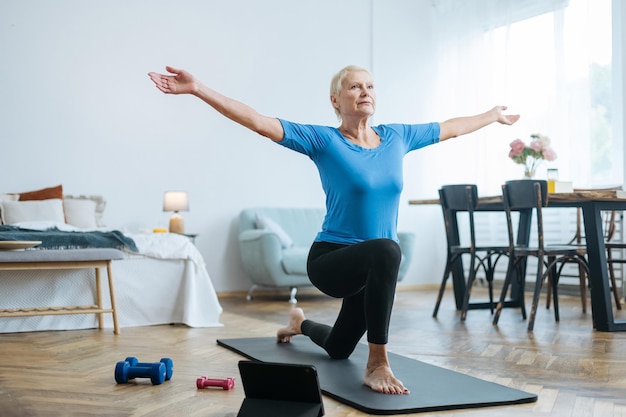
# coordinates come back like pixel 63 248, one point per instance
pixel 548 60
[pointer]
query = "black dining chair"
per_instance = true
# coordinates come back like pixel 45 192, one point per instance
pixel 463 198
pixel 524 196
pixel 609 228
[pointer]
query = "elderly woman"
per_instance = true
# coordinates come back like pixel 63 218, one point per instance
pixel 355 256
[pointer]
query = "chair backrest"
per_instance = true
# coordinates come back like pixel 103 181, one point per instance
pixel 458 198
pixel 608 219
pixel 608 226
pixel 525 195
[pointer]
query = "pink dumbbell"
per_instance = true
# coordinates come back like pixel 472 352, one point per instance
pixel 226 384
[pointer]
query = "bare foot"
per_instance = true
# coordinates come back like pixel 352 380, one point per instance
pixel 296 317
pixel 381 379
pixel 378 375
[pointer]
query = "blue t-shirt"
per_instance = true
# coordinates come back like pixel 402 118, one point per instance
pixel 362 185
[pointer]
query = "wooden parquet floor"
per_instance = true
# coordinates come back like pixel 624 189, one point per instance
pixel 574 370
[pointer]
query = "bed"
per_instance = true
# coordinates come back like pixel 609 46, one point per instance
pixel 162 279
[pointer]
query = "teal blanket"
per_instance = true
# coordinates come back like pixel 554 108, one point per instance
pixel 57 239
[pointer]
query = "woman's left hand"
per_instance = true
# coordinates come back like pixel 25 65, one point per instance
pixel 505 119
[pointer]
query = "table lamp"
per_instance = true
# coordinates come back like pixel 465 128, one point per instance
pixel 176 201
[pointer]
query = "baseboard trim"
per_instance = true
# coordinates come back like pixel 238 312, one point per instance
pixel 313 291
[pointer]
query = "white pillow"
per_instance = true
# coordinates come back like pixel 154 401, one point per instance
pixel 32 210
pixel 80 213
pixel 7 197
pixel 264 222
pixel 86 209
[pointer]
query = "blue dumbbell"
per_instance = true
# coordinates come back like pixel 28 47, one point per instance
pixel 169 365
pixel 124 372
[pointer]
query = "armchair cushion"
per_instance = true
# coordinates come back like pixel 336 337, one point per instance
pixel 294 260
pixel 264 222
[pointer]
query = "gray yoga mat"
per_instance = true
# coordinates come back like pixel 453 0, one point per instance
pixel 432 388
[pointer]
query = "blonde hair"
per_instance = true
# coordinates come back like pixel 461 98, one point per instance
pixel 337 82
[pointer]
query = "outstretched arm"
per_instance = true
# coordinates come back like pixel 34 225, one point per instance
pixel 183 82
pixel 463 125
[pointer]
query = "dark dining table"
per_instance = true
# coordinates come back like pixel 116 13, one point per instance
pixel 592 203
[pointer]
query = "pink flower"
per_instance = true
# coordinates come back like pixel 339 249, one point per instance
pixel 517 146
pixel 536 145
pixel 549 154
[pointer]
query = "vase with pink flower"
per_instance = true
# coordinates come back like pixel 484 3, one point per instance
pixel 533 154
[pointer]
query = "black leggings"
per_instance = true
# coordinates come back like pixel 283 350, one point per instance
pixel 364 275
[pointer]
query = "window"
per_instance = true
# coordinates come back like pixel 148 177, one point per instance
pixel 551 64
pixel 562 61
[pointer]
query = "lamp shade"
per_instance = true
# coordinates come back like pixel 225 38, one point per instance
pixel 176 201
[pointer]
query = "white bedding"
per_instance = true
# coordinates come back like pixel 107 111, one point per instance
pixel 166 283
pixel 166 246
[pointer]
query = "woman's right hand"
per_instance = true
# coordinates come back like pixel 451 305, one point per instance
pixel 181 82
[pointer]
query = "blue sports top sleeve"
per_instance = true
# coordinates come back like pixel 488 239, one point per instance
pixel 362 185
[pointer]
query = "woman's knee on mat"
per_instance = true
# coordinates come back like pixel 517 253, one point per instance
pixel 340 351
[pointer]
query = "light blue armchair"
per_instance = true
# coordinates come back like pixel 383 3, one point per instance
pixel 274 244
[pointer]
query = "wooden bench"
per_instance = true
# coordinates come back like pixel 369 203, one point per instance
pixel 65 259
